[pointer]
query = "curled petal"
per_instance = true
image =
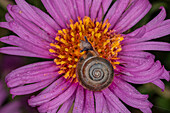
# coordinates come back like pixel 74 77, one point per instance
pixel 132 39
pixel 142 64
pixel 8 18
pixel 157 20
pixel 156 32
pixel 153 23
pixel 147 77
pixel 159 83
pixel 165 75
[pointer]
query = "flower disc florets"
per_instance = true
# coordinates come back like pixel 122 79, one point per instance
pixel 66 48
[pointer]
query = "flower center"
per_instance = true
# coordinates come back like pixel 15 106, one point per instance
pixel 66 48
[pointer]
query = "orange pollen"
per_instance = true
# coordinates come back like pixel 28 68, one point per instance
pixel 66 48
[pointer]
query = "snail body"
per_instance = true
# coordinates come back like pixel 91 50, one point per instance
pixel 93 72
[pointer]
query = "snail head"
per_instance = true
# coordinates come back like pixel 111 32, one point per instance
pixel 85 45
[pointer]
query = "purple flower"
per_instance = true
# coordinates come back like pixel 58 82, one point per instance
pixel 61 38
pixel 7 108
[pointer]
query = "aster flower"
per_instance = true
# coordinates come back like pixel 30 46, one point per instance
pixel 60 37
pixel 7 108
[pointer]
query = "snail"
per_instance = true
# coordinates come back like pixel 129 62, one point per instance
pixel 93 72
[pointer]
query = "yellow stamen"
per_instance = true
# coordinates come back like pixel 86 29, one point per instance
pixel 66 48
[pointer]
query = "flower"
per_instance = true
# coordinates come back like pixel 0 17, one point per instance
pixel 7 108
pixel 61 37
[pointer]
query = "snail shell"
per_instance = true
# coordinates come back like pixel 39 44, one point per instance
pixel 93 72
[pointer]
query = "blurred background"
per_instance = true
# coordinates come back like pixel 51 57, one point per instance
pixel 160 100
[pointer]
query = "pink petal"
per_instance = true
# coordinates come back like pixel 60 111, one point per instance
pixel 157 20
pixel 27 24
pixel 46 18
pixel 88 4
pixel 81 8
pixel 67 105
pixel 132 15
pixel 115 101
pixel 89 102
pixel 25 34
pixel 75 7
pixel 128 89
pixel 99 99
pixel 61 10
pixel 153 23
pixel 51 10
pixel 20 52
pixel 27 89
pixel 8 17
pixel 165 75
pixel 44 98
pixel 160 84
pixel 136 103
pixel 34 17
pixel 105 107
pixel 69 4
pixel 156 32
pixel 21 80
pixel 116 11
pixel 156 72
pixel 95 8
pixel 161 46
pixel 35 68
pixel 142 63
pixel 146 110
pixel 58 100
pixel 79 100
pixel 14 40
pixel 111 107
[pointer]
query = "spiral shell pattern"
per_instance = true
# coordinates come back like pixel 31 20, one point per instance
pixel 95 73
